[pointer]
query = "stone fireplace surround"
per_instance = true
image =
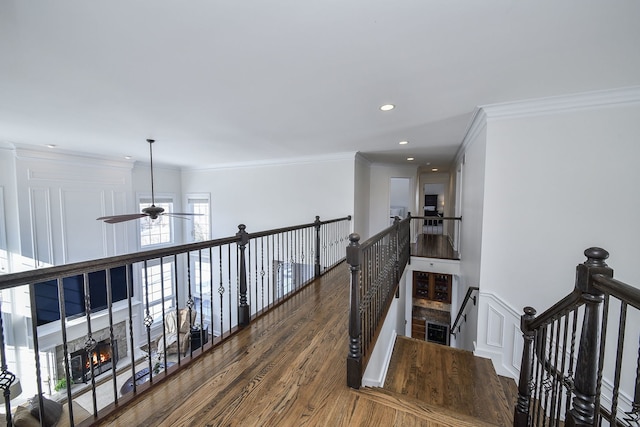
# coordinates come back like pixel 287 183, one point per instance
pixel 119 333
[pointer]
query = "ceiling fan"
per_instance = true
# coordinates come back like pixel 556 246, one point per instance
pixel 152 211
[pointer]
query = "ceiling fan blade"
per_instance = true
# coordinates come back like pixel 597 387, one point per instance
pixel 113 219
pixel 181 215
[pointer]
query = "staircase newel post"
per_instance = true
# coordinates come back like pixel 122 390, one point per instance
pixel 583 410
pixel 244 315
pixel 317 225
pixel 521 412
pixel 354 359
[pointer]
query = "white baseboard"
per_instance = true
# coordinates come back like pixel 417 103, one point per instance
pixel 377 378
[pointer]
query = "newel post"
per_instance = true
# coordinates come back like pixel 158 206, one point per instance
pixel 583 408
pixel 521 412
pixel 317 224
pixel 354 359
pixel 243 307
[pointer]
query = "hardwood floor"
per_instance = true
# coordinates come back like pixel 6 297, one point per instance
pixel 433 246
pixel 449 378
pixel 286 369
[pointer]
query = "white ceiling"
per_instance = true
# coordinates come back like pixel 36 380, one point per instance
pixel 232 81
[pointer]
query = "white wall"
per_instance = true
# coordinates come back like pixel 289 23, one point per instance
pixel 275 195
pixel 472 204
pixel 379 201
pixel 561 175
pixel 362 190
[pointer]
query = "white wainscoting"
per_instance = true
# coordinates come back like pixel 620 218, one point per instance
pixel 499 335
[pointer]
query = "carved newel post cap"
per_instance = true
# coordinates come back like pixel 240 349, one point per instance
pixel 242 227
pixel 354 238
pixel 595 257
pixel 530 311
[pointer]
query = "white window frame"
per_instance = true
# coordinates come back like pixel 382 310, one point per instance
pixel 191 225
pixel 144 200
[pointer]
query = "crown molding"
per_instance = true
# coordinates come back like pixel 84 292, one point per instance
pixel 564 103
pixel 277 162
pixel 24 152
pixel 477 124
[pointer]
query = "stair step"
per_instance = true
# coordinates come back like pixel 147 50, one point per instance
pixel 434 414
pixel 450 378
pixel 510 389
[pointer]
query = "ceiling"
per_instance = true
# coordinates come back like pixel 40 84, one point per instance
pixel 222 81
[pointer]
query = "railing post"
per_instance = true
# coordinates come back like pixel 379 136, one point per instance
pixel 317 260
pixel 243 308
pixel 521 412
pixel 583 408
pixel 354 359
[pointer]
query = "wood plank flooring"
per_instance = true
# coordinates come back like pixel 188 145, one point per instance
pixel 450 378
pixel 286 369
pixel 433 246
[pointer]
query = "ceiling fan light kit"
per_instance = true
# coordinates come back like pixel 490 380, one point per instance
pixel 153 211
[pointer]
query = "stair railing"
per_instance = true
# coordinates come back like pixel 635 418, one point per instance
pixel 376 267
pixel 569 371
pixel 461 313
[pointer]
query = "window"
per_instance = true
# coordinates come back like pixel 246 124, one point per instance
pixel 200 225
pixel 156 231
pixel 158 288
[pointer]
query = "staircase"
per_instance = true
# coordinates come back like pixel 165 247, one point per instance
pixel 444 386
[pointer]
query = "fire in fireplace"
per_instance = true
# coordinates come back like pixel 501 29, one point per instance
pixel 100 357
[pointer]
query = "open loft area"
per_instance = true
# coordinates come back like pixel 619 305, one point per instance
pixel 505 135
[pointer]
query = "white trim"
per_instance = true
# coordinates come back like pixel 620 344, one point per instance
pixel 277 162
pixel 564 103
pixel 379 381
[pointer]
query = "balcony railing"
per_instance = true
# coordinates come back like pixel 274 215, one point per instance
pixel 153 311
pixel 376 267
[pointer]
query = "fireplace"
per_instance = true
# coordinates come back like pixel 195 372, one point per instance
pixel 100 357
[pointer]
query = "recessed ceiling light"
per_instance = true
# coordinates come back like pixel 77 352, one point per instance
pixel 128 157
pixel 51 145
pixel 387 107
pixel 410 158
pixel 434 170
pixel 428 163
pixel 403 142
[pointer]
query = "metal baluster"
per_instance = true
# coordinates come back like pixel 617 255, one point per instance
pixel 176 293
pixel 128 271
pixel 221 293
pixel 65 347
pixel 561 382
pixel 201 329
pixel 112 338
pixel 620 348
pixel 148 318
pixel 633 416
pixel 90 343
pixel 211 276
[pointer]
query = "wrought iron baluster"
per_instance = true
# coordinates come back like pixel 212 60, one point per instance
pixel 619 350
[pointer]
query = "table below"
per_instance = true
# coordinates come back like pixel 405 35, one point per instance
pixel 141 377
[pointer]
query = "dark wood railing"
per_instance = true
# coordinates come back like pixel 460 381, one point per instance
pixel 570 370
pixel 462 315
pixel 376 267
pixel 222 284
